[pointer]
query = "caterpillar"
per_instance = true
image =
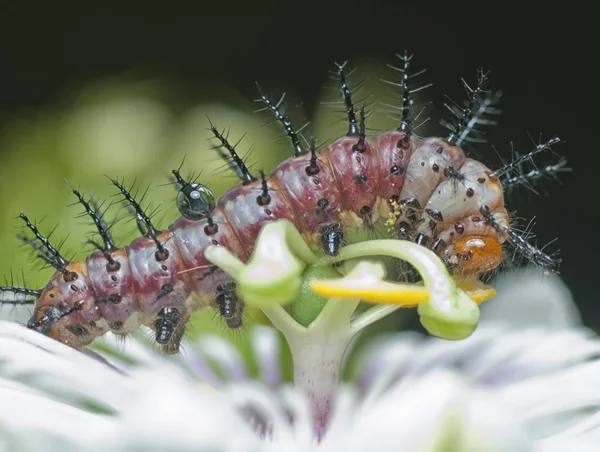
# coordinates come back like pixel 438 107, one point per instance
pixel 424 188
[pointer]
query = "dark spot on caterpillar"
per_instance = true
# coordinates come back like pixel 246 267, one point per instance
pixel 268 211
pixel 365 210
pixel 439 150
pixel 164 291
pixel 211 229
pixel 358 159
pixel 463 257
pixel 116 325
pixel 93 324
pixel 449 171
pixel 115 298
pixel 397 170
pixel 360 178
pixel 113 266
pixel 411 202
pixel 161 254
pixel 70 276
pixel 470 192
pixel 164 268
pixel 322 205
pixel 73 287
pixel 214 242
pixel 475 219
pixel 422 239
pixel 114 278
pixel 435 167
pixel 207 273
pixel 459 228
pixel 315 180
pixel 78 330
pixel 51 295
pixel 422 163
pixel 481 180
pixel 435 214
pixel 439 243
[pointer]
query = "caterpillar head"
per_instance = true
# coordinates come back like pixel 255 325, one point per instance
pixel 65 309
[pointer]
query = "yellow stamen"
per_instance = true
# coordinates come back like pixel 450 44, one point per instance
pixel 382 292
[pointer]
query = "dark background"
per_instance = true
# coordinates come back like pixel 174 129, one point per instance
pixel 542 61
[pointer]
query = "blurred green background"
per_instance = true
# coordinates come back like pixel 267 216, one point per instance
pixel 83 96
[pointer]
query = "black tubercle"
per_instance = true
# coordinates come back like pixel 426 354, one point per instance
pixel 347 97
pixel 194 201
pixel 229 305
pixel 143 221
pixel 312 167
pixel 48 253
pixel 360 145
pixel 473 112
pixel 233 159
pixel 332 238
pixel 283 120
pixel 520 243
pixel 264 198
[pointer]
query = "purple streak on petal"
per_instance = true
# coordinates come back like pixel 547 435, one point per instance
pixel 225 356
pixel 265 345
pixel 201 369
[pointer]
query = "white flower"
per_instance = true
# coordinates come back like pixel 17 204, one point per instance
pixel 533 388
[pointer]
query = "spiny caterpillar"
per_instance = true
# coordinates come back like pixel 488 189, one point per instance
pixel 424 189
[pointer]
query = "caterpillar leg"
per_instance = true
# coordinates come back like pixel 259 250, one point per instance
pixel 170 327
pixel 332 238
pixel 229 304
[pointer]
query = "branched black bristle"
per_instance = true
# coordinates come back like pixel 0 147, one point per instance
pixel 20 295
pixel 94 213
pixel 534 175
pixel 347 97
pixel 406 121
pixel 233 160
pixel 521 245
pixel 283 120
pixel 143 220
pixel 48 253
pixel 514 164
pixel 477 107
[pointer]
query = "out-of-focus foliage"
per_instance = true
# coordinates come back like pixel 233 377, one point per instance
pixel 140 129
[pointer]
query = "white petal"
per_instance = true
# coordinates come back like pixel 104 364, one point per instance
pixel 528 298
pixel 436 413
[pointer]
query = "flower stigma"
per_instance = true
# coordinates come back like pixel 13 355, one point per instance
pixel 313 304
